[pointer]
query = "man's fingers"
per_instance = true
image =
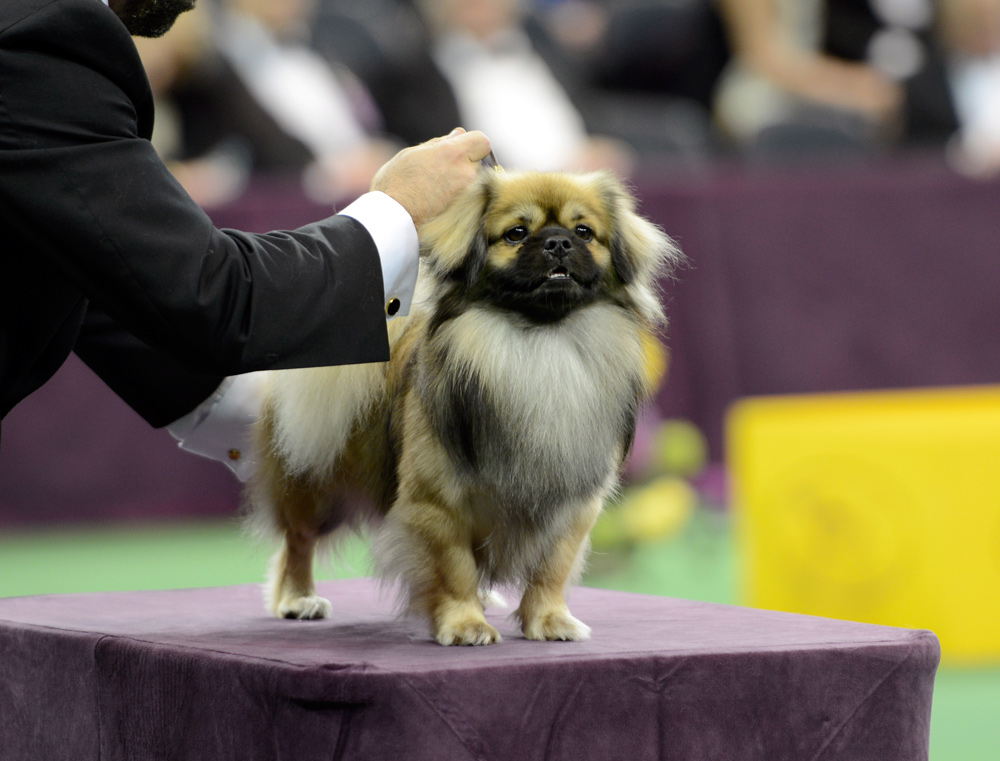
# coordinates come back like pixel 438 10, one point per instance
pixel 455 132
pixel 425 178
pixel 475 144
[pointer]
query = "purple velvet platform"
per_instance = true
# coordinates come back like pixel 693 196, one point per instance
pixel 205 674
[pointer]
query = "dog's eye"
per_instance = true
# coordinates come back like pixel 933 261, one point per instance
pixel 516 234
pixel 584 233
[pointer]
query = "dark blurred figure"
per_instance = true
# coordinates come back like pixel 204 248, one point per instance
pixel 386 44
pixel 324 108
pixel 839 76
pixel 783 95
pixel 407 55
pixel 946 55
pixel 901 39
pixel 971 30
pixel 195 95
pixel 663 47
pixel 239 91
pixel 515 85
pixel 653 63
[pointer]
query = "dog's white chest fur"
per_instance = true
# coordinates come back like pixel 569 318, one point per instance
pixel 545 409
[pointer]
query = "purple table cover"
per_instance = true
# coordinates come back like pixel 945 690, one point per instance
pixel 205 674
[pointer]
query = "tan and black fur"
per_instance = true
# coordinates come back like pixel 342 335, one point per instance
pixel 484 450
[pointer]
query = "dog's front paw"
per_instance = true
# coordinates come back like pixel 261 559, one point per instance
pixel 462 623
pixel 556 625
pixel 470 632
pixel 305 608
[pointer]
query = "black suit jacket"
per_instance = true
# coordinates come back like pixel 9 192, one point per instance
pixel 102 250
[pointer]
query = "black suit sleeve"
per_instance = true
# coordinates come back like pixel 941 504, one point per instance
pixel 86 191
pixel 149 381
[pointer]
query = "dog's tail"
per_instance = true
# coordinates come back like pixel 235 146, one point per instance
pixel 314 411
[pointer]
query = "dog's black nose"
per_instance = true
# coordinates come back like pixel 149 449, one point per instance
pixel 558 246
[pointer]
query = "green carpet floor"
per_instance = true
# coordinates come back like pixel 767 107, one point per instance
pixel 697 564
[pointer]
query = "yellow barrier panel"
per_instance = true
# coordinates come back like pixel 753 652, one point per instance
pixel 881 507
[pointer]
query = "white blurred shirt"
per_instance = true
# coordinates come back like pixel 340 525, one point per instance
pixel 506 90
pixel 294 84
pixel 976 92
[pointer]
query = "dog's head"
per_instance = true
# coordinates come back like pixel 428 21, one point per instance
pixel 545 244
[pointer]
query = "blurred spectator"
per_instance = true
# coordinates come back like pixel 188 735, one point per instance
pixel 212 168
pixel 971 30
pixel 782 92
pixel 325 109
pixel 492 63
pixel 900 39
pixel 652 65
pixel 238 91
pixel 503 86
pixel 385 43
pixel 664 47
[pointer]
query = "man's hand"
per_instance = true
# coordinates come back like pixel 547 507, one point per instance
pixel 425 178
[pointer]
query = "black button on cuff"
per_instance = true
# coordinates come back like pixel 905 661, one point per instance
pixel 392 307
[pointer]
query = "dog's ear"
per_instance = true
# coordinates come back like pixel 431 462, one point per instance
pixel 455 244
pixel 475 259
pixel 639 249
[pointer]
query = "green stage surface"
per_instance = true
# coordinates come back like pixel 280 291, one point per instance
pixel 699 563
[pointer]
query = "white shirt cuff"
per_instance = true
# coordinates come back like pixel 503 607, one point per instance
pixel 220 428
pixel 395 237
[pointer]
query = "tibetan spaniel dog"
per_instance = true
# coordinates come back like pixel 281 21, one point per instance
pixel 483 451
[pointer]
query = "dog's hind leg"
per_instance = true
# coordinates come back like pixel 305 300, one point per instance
pixel 297 492
pixel 302 516
pixel 291 590
pixel 543 612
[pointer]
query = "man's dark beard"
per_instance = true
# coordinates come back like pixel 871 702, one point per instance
pixel 151 18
